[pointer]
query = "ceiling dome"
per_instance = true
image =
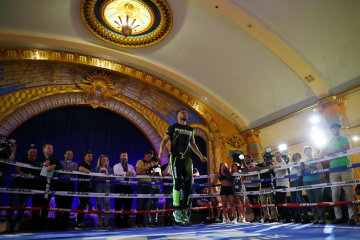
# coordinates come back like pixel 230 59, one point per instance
pixel 128 23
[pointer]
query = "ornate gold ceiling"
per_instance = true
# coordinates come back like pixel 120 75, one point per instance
pixel 149 21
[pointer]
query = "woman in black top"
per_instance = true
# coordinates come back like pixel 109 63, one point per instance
pixel 227 191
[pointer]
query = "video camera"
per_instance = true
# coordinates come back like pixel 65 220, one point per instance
pixel 5 146
pixel 239 158
pixel 268 157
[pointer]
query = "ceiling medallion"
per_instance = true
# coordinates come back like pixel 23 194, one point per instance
pixel 128 23
pixel 98 89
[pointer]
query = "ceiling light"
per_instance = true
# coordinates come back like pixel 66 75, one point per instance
pixel 282 147
pixel 128 16
pixel 319 138
pixel 315 119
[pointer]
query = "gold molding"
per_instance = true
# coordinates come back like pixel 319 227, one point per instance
pixel 204 111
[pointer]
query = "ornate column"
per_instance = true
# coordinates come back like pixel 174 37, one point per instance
pixel 253 145
pixel 216 140
pixel 335 111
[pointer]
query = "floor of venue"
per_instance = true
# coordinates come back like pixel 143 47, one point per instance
pixel 250 231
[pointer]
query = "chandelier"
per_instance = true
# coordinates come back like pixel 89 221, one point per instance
pixel 129 17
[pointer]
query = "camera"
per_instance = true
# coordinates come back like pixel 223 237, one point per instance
pixel 5 146
pixel 285 157
pixel 155 168
pixel 268 158
pixel 239 158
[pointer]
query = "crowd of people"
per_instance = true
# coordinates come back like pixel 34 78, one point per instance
pixel 148 166
pixel 181 171
pixel 336 214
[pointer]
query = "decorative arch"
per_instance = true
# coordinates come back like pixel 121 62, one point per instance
pixel 195 104
pixel 21 91
pixel 37 106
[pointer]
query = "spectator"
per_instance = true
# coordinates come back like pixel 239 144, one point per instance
pixel 102 166
pixel 155 171
pixel 20 200
pixel 281 184
pixel 357 189
pixel 10 159
pixel 206 215
pixel 314 195
pixel 238 188
pixel 270 214
pixel 296 196
pixel 123 168
pixel 84 167
pixel 165 171
pixel 143 168
pixel 216 202
pixel 69 186
pixel 226 192
pixel 327 195
pixel 49 163
pixel 339 144
pixel 250 166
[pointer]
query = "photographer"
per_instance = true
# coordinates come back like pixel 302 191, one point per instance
pixel 155 170
pixel 7 153
pixel 268 198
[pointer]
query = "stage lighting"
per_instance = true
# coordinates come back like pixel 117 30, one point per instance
pixel 319 138
pixel 282 147
pixel 315 119
pixel 355 138
pixel 241 156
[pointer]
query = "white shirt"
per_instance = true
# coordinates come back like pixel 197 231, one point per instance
pixel 252 177
pixel 295 170
pixel 279 173
pixel 119 170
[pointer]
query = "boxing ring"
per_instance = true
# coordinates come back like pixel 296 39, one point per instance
pixel 251 231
